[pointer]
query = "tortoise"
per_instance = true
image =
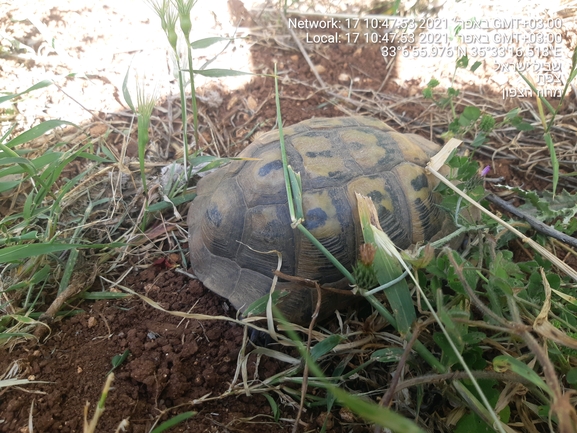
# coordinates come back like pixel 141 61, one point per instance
pixel 241 210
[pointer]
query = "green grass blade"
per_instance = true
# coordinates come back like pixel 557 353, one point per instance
pixel 297 190
pixel 387 267
pixel 7 186
pixel 37 163
pixel 283 151
pixel 554 160
pixel 23 163
pixel 8 335
pixel 14 160
pixel 176 201
pixel 215 73
pixel 274 407
pixel 536 92
pixel 207 42
pixel 40 85
pixel 73 256
pixel 325 346
pixel 37 131
pixel 125 91
pixel 173 421
pixel 503 363
pixel 376 414
pixel 18 252
pixel 98 296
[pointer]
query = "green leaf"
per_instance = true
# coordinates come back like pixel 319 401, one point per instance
pixel 297 191
pixel 325 346
pixel 18 252
pixel 504 363
pixel 8 335
pixel 462 62
pixel 476 66
pixel 7 186
pixel 41 275
pixel 388 355
pixel 220 73
pixel 472 423
pixel 427 93
pixel 36 86
pixel 207 42
pixel 554 160
pixel 174 421
pixel 37 163
pixel 448 356
pixel 176 201
pixel 571 376
pixel 545 206
pixel 117 360
pixel 487 123
pixel 125 91
pixel 274 407
pixel 522 125
pixel 14 160
pixel 387 268
pixel 470 114
pixel 37 131
pixel 479 140
pixel 258 307
pixel 452 92
pixel 374 413
pixel 536 92
pixel 481 420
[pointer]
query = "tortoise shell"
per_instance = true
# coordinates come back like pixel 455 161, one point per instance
pixel 241 210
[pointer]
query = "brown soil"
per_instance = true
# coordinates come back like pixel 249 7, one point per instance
pixel 172 362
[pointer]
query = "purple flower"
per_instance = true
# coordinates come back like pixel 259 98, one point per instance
pixel 485 171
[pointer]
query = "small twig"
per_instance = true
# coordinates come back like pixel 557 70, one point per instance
pixel 313 284
pixel 460 375
pixel 474 298
pixel 306 368
pixel 388 397
pixel 533 222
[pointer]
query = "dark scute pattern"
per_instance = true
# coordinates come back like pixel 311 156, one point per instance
pixel 375 196
pixel 420 182
pixel 259 236
pixel 214 216
pixel 394 228
pixel 429 217
pixel 315 218
pixel 343 207
pixel 325 153
pixel 267 168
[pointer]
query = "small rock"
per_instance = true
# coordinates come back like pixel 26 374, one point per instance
pixel 320 69
pixel 91 322
pixel 346 415
pixel 328 417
